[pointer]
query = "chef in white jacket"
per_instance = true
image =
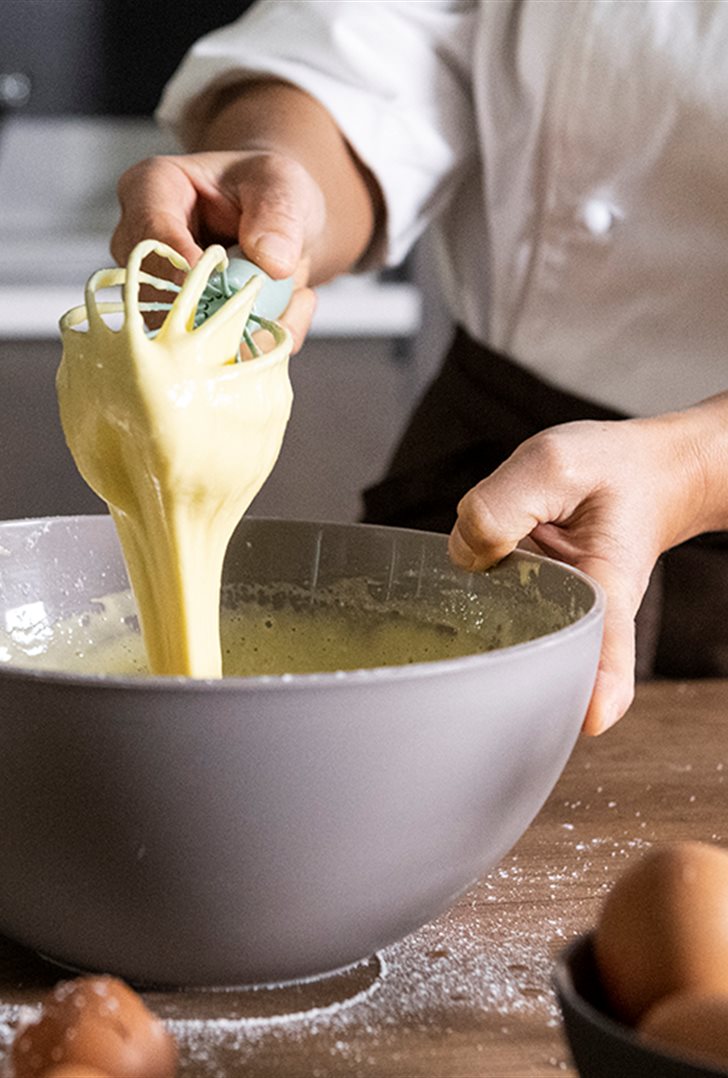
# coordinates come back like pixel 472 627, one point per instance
pixel 571 159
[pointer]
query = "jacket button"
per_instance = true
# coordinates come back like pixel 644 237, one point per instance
pixel 598 216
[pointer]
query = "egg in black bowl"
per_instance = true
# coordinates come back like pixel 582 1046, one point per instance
pixel 601 1045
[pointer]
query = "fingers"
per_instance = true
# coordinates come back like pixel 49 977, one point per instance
pixel 265 201
pixel 158 201
pixel 614 685
pixel 298 315
pixel 613 693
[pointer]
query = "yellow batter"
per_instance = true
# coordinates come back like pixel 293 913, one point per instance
pixel 282 628
pixel 258 638
pixel 177 437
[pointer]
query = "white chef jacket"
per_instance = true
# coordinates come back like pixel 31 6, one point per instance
pixel 572 156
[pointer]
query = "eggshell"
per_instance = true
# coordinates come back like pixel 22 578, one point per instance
pixel 691 1025
pixel 96 1022
pixel 664 928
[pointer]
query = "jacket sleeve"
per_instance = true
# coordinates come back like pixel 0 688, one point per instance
pixel 394 74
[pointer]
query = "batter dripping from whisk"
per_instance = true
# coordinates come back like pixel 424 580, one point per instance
pixel 177 434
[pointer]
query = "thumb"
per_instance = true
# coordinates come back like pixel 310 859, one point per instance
pixel 281 207
pixel 497 513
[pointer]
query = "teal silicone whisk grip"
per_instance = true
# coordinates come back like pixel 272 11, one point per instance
pixel 271 301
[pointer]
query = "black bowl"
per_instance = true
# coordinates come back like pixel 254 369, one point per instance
pixel 602 1046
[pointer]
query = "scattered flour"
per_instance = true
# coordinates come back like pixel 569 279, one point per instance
pixel 445 971
pixel 486 963
pixel 442 966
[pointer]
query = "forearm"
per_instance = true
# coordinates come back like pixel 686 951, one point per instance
pixel 274 117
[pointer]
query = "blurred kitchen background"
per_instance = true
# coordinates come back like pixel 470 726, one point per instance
pixel 79 80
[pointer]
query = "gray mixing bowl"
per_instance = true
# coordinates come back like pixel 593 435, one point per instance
pixel 260 829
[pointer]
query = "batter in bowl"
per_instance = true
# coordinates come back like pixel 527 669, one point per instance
pixel 177 433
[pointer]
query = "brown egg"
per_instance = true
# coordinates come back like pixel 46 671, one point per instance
pixel 664 928
pixel 690 1025
pixel 96 1022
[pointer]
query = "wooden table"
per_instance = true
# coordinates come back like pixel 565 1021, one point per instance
pixel 470 994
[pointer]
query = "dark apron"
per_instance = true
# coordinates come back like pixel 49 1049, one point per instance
pixel 478 409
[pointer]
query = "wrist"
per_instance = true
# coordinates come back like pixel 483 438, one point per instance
pixel 696 441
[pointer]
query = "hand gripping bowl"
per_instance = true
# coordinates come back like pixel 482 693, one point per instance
pixel 261 829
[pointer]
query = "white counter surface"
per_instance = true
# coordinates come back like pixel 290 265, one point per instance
pixel 347 308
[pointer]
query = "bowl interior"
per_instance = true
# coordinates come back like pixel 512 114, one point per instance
pixel 64 576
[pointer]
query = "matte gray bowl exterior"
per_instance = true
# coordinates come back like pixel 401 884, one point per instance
pixel 262 829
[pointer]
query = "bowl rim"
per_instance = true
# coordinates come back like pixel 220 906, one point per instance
pixel 375 675
pixel 563 982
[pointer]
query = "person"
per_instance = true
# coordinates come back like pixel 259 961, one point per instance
pixel 572 164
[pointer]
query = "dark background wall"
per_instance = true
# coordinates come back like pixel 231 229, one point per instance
pixel 112 57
